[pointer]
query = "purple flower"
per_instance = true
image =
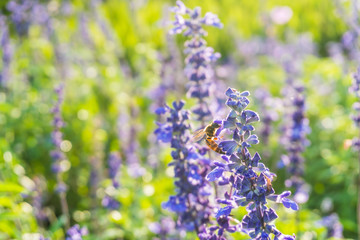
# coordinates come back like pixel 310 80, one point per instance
pixel 127 134
pixel 114 162
pixel 27 12
pixel 250 180
pixel 7 51
pixel 269 114
pixel 76 233
pixel 110 203
pixel 57 155
pixel 114 165
pixel 164 229
pixel 333 225
pixel 190 168
pixel 199 57
pixel 296 127
pixel 56 135
pixel 252 49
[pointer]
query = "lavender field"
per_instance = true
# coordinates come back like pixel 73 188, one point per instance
pixel 166 120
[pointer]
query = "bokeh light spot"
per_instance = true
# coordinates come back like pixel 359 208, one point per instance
pixel 7 156
pixel 83 114
pixel 65 146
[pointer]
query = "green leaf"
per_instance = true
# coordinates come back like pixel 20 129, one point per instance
pixel 11 187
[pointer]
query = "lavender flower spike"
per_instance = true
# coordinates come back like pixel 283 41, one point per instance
pixel 199 56
pixel 355 88
pixel 57 155
pixel 266 102
pixel 294 138
pixel 114 166
pixel 191 200
pixel 249 179
pixel 7 52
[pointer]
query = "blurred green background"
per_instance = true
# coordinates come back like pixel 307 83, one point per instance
pixel 113 57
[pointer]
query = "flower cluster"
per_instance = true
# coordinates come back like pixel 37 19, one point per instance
pixel 26 12
pixel 191 201
pixel 350 38
pixel 76 233
pixel 199 56
pixel 58 157
pixel 333 225
pixel 292 49
pixel 7 51
pixel 60 163
pixel 355 88
pixel 114 163
pixel 164 229
pixel 347 48
pixel 84 30
pixel 127 133
pixel 171 75
pixel 294 138
pixel 249 179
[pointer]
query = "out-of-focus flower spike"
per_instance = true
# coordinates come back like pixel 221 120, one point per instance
pixel 199 57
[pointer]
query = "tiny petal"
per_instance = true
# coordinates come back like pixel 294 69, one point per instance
pixel 290 204
pixel 253 139
pixel 228 146
pixel 225 211
pixel 251 116
pixel 215 174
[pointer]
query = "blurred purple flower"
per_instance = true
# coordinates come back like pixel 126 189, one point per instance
pixel 58 157
pixel 333 225
pixel 165 229
pixel 127 135
pixel 7 51
pixel 114 163
pixel 56 135
pixel 278 51
pixel 269 114
pixel 76 233
pixel 84 30
pixel 199 57
pixel 27 12
pixel 110 203
pixel 295 129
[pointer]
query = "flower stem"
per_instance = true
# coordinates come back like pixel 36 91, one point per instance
pixel 297 216
pixel 64 204
pixel 65 209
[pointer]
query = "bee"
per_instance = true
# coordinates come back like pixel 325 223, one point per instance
pixel 268 183
pixel 208 133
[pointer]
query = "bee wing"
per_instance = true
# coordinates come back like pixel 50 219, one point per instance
pixel 198 135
